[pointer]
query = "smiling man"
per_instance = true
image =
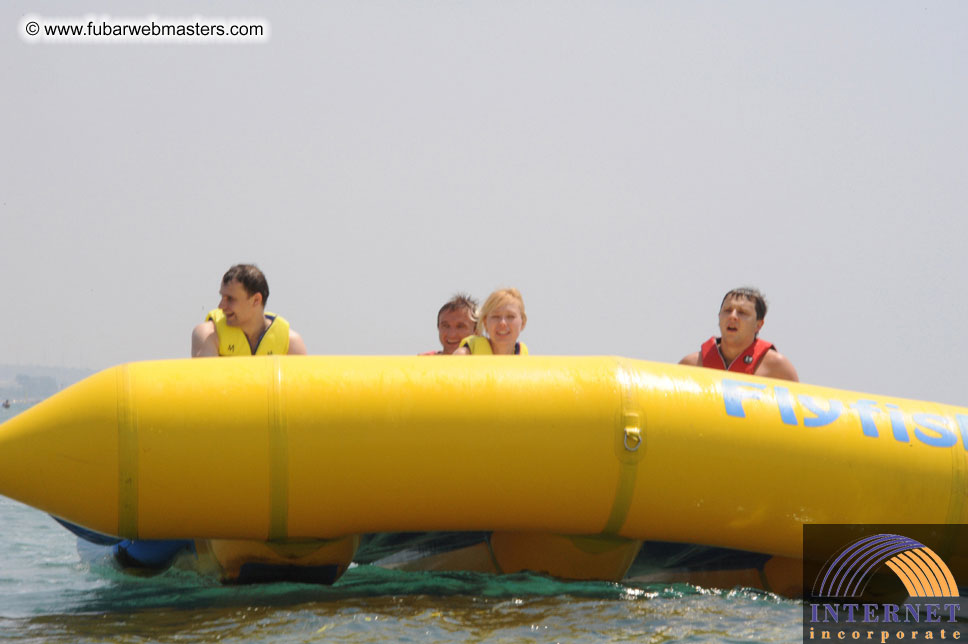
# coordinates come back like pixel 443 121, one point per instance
pixel 240 325
pixel 455 321
pixel 738 349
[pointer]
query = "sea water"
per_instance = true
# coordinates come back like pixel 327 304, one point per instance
pixel 49 593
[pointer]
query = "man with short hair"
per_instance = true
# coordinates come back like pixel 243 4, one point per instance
pixel 240 326
pixel 738 349
pixel 456 320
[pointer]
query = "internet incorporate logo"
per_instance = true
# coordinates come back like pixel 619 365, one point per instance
pixel 920 570
pixel 846 611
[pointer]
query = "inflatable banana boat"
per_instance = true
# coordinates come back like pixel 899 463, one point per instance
pixel 566 463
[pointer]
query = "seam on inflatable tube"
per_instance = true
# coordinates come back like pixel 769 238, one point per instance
pixel 127 457
pixel 630 418
pixel 958 496
pixel 278 455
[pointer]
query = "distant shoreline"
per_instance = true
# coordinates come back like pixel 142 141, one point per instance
pixel 29 384
pixel 69 375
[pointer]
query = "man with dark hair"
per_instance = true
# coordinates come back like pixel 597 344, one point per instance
pixel 456 320
pixel 240 326
pixel 738 349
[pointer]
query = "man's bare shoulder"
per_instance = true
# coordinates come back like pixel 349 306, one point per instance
pixel 296 345
pixel 693 360
pixel 777 365
pixel 204 340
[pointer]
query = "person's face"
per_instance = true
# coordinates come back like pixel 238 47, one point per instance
pixel 238 306
pixel 503 325
pixel 737 321
pixel 454 326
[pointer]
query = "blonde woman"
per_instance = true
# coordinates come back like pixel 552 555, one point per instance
pixel 502 319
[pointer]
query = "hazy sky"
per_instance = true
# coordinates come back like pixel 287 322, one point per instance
pixel 622 163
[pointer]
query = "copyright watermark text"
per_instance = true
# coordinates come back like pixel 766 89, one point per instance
pixel 149 29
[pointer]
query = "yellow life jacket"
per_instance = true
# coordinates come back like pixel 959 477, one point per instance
pixel 481 346
pixel 233 342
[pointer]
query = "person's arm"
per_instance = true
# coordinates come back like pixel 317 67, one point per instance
pixel 204 340
pixel 465 347
pixel 296 345
pixel 693 360
pixel 776 365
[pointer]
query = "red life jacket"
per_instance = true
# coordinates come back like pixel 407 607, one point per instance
pixel 746 362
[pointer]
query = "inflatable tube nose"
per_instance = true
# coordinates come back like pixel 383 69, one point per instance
pixel 61 455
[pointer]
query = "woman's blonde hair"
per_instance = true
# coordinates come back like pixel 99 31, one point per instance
pixel 497 299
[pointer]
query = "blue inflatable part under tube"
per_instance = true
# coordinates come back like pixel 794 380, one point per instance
pixel 151 554
pixel 97 538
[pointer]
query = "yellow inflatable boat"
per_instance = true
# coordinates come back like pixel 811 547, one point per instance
pixel 567 462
